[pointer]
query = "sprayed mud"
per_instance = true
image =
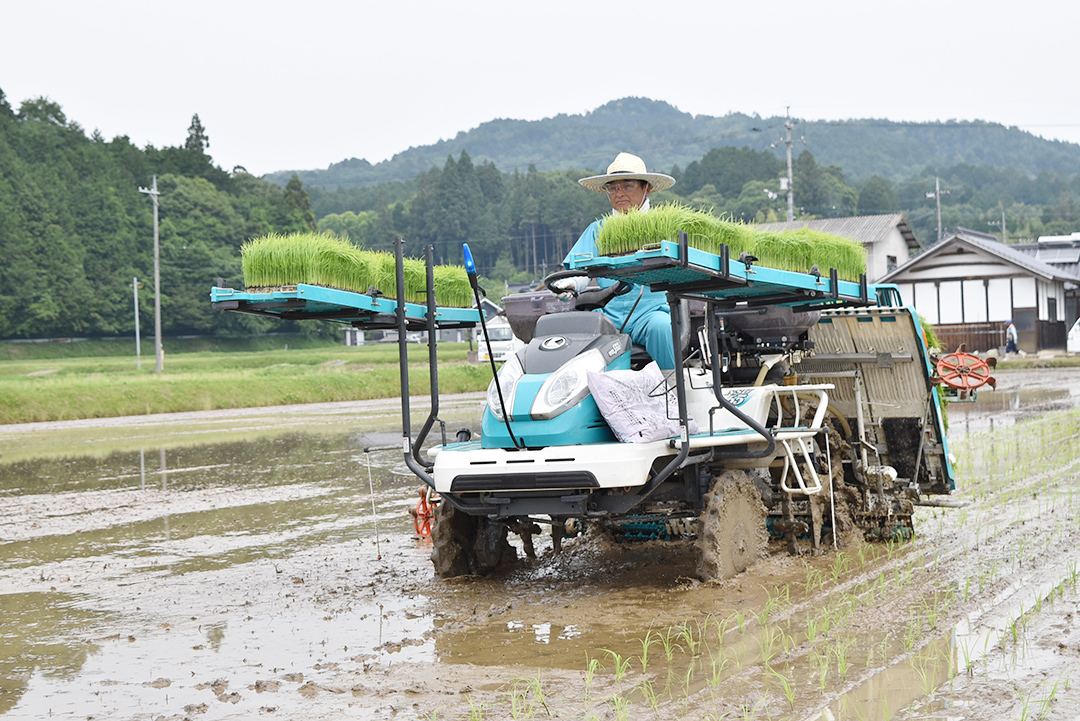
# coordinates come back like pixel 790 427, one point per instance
pixel 262 565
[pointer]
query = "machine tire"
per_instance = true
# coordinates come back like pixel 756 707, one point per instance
pixel 465 545
pixel 491 546
pixel 453 534
pixel 731 531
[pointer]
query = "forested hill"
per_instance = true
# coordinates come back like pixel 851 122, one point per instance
pixel 75 230
pixel 667 137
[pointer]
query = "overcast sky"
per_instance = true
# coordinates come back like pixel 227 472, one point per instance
pixel 299 85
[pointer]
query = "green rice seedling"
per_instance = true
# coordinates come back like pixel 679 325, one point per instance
pixel 415 276
pixel 811 628
pixel 621 665
pixel 820 661
pixel 688 677
pixel 590 671
pixel 969 664
pixel 890 547
pixel 645 688
pixel 537 688
pixel 840 651
pixel 768 642
pixel 1046 703
pixel 885 647
pixel 825 621
pixel 275 261
pixel 719 663
pixel 839 565
pixel 519 700
pixel 815 579
pixel 646 644
pixel 692 640
pixel 667 640
pixel 476 710
pixel 912 631
pixel 787 641
pixel 721 631
pixel 772 601
pixel 863 553
pixel 750 712
pixel 452 287
pixel 796 250
pixel 620 707
pixel 784 684
pixel 1026 709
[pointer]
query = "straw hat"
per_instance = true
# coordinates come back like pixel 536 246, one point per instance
pixel 628 167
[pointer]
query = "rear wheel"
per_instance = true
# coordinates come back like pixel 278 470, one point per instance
pixel 731 531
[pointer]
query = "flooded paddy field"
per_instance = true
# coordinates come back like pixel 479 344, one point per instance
pixel 261 564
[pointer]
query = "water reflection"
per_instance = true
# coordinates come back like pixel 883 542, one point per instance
pixel 224 546
pixel 1002 408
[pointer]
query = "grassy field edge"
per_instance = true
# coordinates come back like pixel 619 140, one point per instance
pixel 56 387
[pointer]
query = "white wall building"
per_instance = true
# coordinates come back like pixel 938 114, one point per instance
pixel 970 286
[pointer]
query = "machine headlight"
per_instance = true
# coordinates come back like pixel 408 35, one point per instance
pixel 567 386
pixel 507 377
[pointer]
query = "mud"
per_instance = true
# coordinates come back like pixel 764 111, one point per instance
pixel 261 565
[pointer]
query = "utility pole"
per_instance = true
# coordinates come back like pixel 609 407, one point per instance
pixel 790 187
pixel 158 354
pixel 1004 232
pixel 138 346
pixel 936 195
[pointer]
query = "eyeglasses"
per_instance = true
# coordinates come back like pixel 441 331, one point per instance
pixel 626 187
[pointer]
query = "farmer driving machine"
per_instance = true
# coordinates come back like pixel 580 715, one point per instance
pixel 802 406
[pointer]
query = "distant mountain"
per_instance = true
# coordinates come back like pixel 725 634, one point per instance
pixel 666 136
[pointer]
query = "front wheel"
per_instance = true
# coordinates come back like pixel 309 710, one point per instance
pixel 464 545
pixel 731 531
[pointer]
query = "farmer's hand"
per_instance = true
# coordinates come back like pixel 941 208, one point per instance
pixel 566 289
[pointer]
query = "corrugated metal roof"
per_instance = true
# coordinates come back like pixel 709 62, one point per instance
pixel 867 229
pixel 1062 252
pixel 1058 255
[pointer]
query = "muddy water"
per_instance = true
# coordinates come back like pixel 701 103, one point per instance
pixel 1019 394
pixel 262 564
pixel 143 560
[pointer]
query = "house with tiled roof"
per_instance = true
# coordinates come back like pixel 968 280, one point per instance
pixel 887 238
pixel 969 285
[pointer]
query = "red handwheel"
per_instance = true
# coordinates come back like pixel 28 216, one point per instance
pixel 963 371
pixel 422 515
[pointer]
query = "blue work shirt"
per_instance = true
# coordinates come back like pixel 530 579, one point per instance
pixel 645 326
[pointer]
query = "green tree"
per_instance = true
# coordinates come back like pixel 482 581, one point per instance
pixel 728 169
pixel 196 136
pixel 877 196
pixel 821 191
pixel 299 206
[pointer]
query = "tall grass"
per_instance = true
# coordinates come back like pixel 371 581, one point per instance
pixel 274 261
pixel 796 250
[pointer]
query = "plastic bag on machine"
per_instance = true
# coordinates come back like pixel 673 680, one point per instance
pixel 635 405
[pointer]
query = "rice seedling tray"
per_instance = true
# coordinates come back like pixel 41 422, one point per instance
pixel 687 271
pixel 306 302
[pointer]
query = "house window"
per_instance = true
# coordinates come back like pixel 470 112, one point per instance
pixel 890 263
pixel 1051 309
